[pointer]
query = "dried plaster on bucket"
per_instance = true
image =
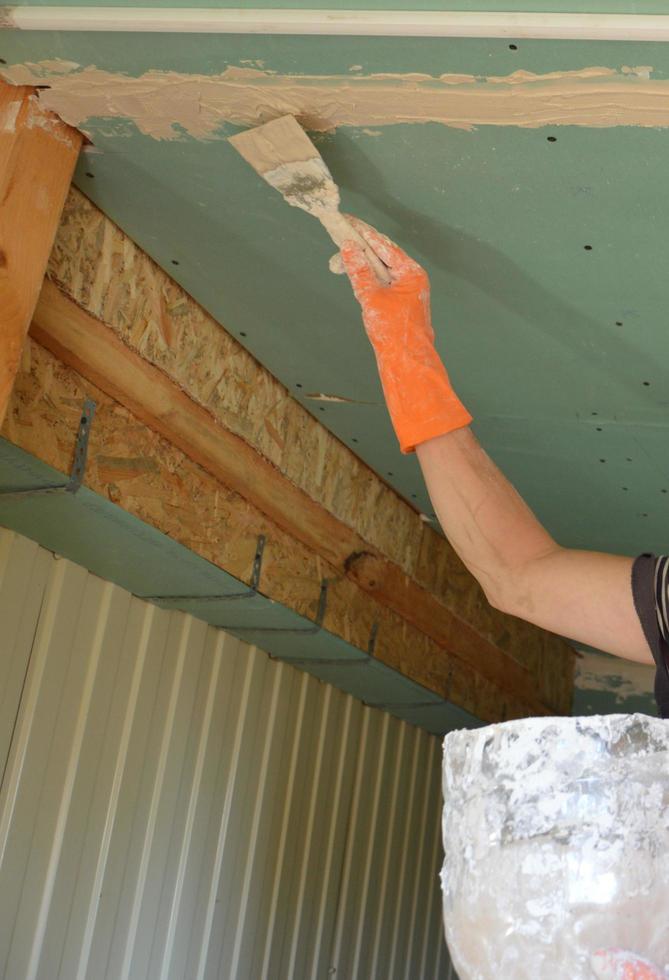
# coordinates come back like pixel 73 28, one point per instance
pixel 164 104
pixel 556 839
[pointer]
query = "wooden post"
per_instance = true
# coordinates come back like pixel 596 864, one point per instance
pixel 38 153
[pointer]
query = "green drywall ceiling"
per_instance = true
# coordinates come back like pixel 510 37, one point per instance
pixel 559 352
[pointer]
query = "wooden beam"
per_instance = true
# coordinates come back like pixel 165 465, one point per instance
pixel 153 316
pixel 94 351
pixel 139 336
pixel 38 153
pixel 144 474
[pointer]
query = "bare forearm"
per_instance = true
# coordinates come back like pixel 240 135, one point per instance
pixel 488 523
pixel 523 571
pixel 582 595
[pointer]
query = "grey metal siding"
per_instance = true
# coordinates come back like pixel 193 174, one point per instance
pixel 175 804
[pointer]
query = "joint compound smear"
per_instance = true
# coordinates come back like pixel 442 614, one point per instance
pixel 166 104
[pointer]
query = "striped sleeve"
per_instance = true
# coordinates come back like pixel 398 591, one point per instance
pixel 650 589
pixel 661 598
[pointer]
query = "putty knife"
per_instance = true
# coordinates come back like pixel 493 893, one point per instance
pixel 282 153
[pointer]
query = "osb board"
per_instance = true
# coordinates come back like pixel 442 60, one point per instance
pixel 141 472
pixel 97 535
pixel 90 347
pixel 96 264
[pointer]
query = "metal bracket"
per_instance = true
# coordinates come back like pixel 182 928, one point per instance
pixel 249 593
pixel 78 465
pixel 336 661
pixel 398 705
pixel 315 628
pixel 322 661
pixel 252 591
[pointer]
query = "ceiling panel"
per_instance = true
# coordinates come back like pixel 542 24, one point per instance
pixel 559 351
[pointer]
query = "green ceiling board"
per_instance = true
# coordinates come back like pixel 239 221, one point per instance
pixel 211 54
pixel 587 702
pixel 559 352
pixel 90 530
pixel 526 318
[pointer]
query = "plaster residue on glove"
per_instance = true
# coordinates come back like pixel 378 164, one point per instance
pixel 417 389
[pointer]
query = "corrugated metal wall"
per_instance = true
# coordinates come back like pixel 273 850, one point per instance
pixel 176 804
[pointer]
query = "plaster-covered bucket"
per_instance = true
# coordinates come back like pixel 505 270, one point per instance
pixel 556 839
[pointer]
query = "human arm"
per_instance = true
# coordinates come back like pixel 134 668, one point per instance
pixel 585 596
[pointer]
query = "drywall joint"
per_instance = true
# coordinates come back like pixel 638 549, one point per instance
pixel 78 465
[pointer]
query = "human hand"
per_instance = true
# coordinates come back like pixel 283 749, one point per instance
pixel 620 964
pixel 418 392
pixel 397 314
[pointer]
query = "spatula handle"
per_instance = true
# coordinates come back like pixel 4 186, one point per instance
pixel 341 230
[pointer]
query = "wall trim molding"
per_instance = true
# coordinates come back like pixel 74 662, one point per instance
pixel 373 23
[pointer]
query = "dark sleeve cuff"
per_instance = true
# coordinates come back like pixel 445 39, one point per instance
pixel 643 592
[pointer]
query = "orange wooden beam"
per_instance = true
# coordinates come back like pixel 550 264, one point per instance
pixel 93 350
pixel 38 153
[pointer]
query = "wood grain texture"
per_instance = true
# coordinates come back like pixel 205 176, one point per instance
pixel 142 472
pixel 37 157
pixel 94 351
pixel 109 276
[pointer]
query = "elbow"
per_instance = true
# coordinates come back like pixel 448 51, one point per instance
pixel 499 599
pixel 518 591
pixel 499 592
pixel 510 590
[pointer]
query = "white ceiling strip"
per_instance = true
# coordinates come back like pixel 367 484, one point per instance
pixel 375 23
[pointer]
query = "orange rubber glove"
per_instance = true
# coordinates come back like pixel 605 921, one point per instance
pixel 619 964
pixel 419 396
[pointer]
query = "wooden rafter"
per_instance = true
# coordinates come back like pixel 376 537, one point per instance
pixel 93 351
pixel 37 157
pixel 159 437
